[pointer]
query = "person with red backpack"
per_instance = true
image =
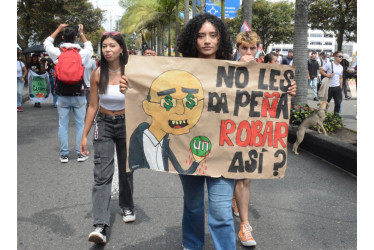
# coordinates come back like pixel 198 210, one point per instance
pixel 70 60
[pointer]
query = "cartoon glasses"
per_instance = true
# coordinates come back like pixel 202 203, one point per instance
pixel 168 102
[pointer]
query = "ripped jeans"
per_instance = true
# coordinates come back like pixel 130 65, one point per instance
pixel 110 132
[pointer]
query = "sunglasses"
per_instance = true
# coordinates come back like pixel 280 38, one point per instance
pixel 340 56
pixel 114 33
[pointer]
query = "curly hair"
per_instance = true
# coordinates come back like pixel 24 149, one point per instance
pixel 186 43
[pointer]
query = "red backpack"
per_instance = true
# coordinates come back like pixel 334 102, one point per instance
pixel 69 68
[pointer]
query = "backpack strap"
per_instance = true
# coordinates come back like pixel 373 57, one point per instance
pixel 332 67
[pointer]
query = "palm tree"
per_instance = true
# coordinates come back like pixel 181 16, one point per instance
pixel 186 12
pixel 176 25
pixel 202 6
pixel 223 4
pixel 300 48
pixel 247 12
pixel 143 13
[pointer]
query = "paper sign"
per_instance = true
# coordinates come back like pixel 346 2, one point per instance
pixel 207 117
pixel 39 88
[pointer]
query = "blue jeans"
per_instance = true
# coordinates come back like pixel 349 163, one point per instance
pixel 64 105
pixel 19 91
pixel 220 220
pixel 313 84
pixel 52 84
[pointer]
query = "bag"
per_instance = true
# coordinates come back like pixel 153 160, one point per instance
pixel 69 68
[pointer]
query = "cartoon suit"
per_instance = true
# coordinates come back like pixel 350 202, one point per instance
pixel 175 103
pixel 137 158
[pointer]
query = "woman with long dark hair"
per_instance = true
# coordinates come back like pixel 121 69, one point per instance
pixel 206 36
pixel 108 101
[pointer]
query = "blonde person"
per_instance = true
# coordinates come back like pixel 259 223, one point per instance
pixel 107 99
pixel 247 43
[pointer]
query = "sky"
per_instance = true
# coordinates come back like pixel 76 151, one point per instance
pixel 112 14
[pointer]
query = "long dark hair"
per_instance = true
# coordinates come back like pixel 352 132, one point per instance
pixel 268 58
pixel 104 68
pixel 186 43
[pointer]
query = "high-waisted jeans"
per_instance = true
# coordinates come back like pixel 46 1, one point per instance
pixel 220 220
pixel 110 131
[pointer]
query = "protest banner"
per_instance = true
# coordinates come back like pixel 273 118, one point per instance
pixel 208 117
pixel 39 88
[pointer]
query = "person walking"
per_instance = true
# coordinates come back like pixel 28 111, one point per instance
pixel 21 76
pixel 36 66
pixel 247 44
pixel 108 101
pixel 288 59
pixel 70 97
pixel 50 68
pixel 205 36
pixel 313 67
pixel 91 66
pixel 334 71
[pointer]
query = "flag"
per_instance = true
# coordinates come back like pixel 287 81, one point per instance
pixel 245 27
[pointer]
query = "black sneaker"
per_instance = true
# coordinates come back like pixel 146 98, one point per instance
pixel 348 97
pixel 64 158
pixel 98 236
pixel 128 215
pixel 316 99
pixel 81 158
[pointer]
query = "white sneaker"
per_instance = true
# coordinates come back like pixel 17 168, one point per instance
pixel 98 236
pixel 81 158
pixel 128 215
pixel 64 158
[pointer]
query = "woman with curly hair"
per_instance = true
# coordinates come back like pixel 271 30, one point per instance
pixel 206 36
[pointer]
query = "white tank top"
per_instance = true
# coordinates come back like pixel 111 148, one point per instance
pixel 113 99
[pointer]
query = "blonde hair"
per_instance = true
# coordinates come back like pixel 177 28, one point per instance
pixel 247 37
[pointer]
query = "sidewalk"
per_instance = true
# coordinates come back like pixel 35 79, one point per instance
pixel 341 154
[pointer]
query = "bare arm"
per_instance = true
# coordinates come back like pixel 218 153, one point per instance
pixel 91 111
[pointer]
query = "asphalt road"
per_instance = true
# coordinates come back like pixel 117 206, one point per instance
pixel 313 207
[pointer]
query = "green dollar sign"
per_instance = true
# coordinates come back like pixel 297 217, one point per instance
pixel 168 102
pixel 190 103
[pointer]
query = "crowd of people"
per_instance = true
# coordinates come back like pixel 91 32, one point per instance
pixel 99 99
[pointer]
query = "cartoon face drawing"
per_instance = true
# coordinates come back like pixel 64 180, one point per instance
pixel 175 103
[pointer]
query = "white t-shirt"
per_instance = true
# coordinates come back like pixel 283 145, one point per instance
pixel 20 65
pixel 91 65
pixel 338 72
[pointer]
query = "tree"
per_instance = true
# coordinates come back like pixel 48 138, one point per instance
pixel 141 14
pixel 36 20
pixel 273 22
pixel 223 4
pixel 247 11
pixel 202 6
pixel 300 48
pixel 186 12
pixel 338 16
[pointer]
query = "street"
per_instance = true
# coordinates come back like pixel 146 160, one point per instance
pixel 313 207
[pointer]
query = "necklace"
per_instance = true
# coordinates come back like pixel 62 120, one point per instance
pixel 114 71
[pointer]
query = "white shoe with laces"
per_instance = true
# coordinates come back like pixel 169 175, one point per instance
pixel 128 215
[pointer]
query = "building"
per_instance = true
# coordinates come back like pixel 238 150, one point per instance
pixel 317 41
